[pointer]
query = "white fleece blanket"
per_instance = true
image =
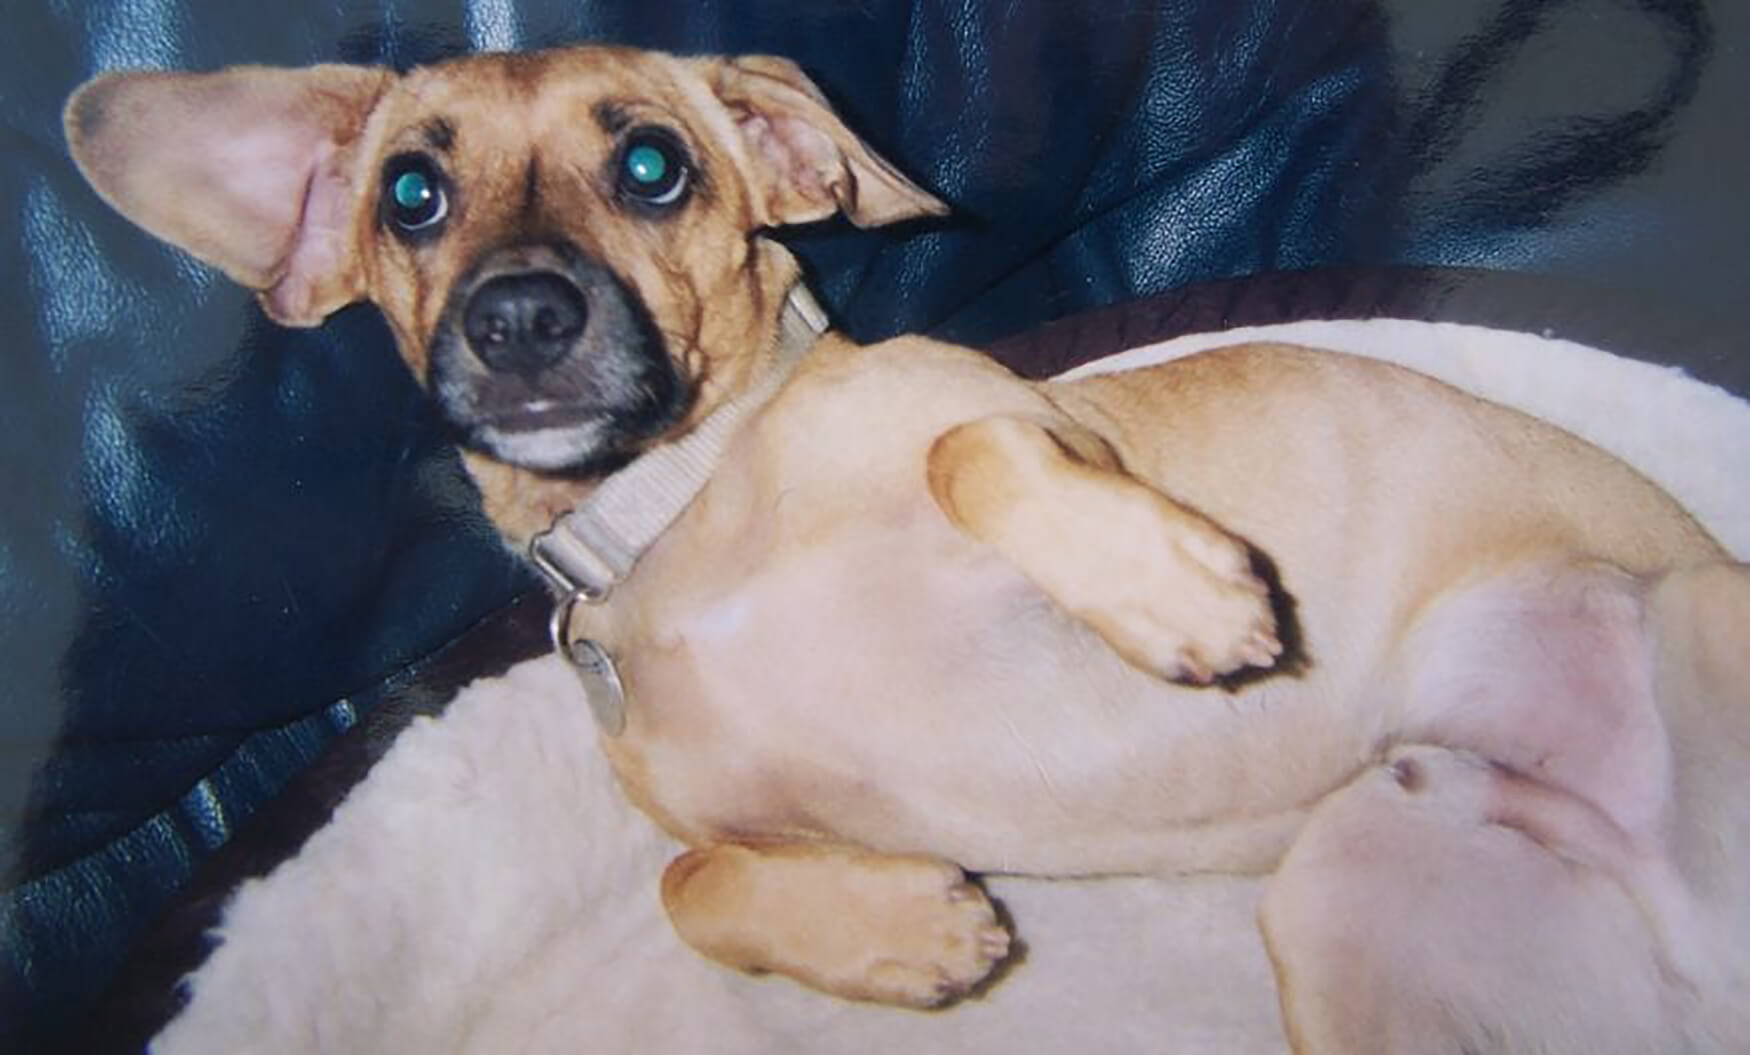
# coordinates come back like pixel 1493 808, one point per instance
pixel 488 890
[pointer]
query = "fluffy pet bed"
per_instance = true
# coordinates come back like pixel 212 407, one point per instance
pixel 487 889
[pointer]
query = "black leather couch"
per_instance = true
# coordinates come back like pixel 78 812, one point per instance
pixel 224 544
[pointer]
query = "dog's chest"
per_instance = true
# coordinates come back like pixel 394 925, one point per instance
pixel 883 679
pixel 775 673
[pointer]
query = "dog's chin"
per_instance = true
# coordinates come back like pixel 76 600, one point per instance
pixel 579 449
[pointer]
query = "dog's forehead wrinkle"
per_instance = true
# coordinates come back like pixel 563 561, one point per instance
pixel 612 115
pixel 418 93
pixel 532 182
pixel 440 133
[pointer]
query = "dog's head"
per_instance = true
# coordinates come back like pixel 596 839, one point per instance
pixel 565 243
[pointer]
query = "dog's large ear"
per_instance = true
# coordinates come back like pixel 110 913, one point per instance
pixel 807 164
pixel 250 169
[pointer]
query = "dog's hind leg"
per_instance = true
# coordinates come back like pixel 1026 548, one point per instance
pixel 1173 593
pixel 894 929
pixel 1419 912
pixel 1564 872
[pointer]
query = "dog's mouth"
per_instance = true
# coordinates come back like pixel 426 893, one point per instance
pixel 536 415
pixel 568 441
pixel 546 360
pixel 572 438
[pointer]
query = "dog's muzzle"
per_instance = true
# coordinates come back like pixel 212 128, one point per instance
pixel 545 359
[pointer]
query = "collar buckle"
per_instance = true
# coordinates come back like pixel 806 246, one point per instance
pixel 570 565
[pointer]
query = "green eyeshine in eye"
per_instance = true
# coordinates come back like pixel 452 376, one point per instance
pixel 412 190
pixel 646 165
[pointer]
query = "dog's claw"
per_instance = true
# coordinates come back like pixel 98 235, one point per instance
pixel 1193 670
pixel 1262 650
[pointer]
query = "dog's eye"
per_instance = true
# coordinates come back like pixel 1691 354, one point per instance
pixel 413 193
pixel 653 168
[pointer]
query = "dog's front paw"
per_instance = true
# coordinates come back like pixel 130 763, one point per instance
pixel 894 929
pixel 940 938
pixel 1164 586
pixel 1189 607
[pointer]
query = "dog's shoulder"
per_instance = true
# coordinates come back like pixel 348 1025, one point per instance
pixel 904 379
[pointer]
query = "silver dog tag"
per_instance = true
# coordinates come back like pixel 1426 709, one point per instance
pixel 601 683
pixel 594 666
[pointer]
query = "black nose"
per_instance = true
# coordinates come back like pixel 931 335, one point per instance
pixel 524 322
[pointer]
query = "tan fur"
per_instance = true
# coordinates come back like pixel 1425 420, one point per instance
pixel 928 612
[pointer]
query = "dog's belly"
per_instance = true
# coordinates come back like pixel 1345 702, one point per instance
pixel 898 686
pixel 814 651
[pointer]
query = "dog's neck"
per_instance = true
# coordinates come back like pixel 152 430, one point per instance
pixel 589 550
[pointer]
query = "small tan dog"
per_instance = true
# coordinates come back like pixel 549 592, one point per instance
pixel 925 612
